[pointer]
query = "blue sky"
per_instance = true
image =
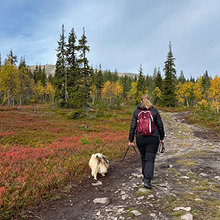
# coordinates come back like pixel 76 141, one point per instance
pixel 122 34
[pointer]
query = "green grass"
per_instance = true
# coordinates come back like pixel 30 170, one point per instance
pixel 201 118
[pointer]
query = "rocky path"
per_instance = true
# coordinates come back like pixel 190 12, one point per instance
pixel 186 183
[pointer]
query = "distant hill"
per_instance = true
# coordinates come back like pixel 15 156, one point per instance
pixel 128 74
pixel 50 70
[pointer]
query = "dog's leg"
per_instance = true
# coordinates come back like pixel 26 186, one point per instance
pixel 95 175
pixel 103 174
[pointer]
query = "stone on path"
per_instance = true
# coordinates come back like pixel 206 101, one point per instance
pixel 136 212
pixel 102 200
pixel 137 175
pixel 98 183
pixel 203 174
pixel 217 177
pixel 124 197
pixel 182 208
pixel 142 190
pixel 98 213
pixel 187 216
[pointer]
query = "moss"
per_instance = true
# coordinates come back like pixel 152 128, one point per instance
pixel 187 163
pixel 145 193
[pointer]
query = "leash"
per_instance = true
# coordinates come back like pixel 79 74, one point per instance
pixel 161 148
pixel 108 162
pixel 127 151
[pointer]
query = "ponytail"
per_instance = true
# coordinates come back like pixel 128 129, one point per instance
pixel 146 102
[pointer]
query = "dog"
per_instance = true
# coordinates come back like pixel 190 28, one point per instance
pixel 98 164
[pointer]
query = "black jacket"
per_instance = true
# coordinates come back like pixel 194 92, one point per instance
pixel 159 128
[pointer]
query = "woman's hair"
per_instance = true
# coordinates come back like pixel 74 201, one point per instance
pixel 146 102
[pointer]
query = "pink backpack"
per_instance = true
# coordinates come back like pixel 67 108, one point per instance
pixel 145 123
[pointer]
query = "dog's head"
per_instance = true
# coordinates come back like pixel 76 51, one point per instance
pixel 102 158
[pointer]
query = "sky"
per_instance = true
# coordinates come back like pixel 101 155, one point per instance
pixel 122 34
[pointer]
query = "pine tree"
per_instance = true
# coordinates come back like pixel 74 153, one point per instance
pixel 71 58
pixel 159 80
pixel 150 84
pixel 22 63
pixel 107 76
pixel 191 80
pixel 126 83
pixel 99 82
pixel 155 72
pixel 71 50
pixel 140 85
pixel 50 79
pixel 115 76
pixel 206 83
pixel 135 78
pixel 181 78
pixel 37 73
pixel 59 76
pixel 11 58
pixel 147 81
pixel 168 89
pixel 43 77
pixel 74 79
pixel 84 66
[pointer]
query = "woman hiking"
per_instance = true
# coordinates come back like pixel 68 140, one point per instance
pixel 147 144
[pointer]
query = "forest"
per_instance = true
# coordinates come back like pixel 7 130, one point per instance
pixel 77 85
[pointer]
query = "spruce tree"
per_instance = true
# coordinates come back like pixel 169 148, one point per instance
pixel 181 78
pixel 147 81
pixel 59 76
pixel 43 77
pixel 205 84
pixel 115 76
pixel 71 58
pixel 135 78
pixel 50 79
pixel 168 89
pixel 159 80
pixel 155 72
pixel 140 85
pixel 11 58
pixel 99 82
pixel 206 81
pixel 191 79
pixel 74 80
pixel 126 83
pixel 84 68
pixel 22 63
pixel 150 84
pixel 107 76
pixel 37 73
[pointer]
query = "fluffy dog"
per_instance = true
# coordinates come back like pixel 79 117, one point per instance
pixel 98 164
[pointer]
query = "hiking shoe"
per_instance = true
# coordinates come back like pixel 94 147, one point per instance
pixel 147 185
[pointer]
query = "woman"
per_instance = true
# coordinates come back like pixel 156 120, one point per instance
pixel 147 145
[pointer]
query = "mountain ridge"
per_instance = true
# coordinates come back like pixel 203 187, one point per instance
pixel 50 70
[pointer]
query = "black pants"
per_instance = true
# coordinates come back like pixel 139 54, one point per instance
pixel 148 146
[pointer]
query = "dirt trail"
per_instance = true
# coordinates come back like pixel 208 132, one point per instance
pixel 186 183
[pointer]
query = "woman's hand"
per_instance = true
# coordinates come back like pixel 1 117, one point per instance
pixel 131 144
pixel 161 141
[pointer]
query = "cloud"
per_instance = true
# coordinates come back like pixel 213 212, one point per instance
pixel 121 34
